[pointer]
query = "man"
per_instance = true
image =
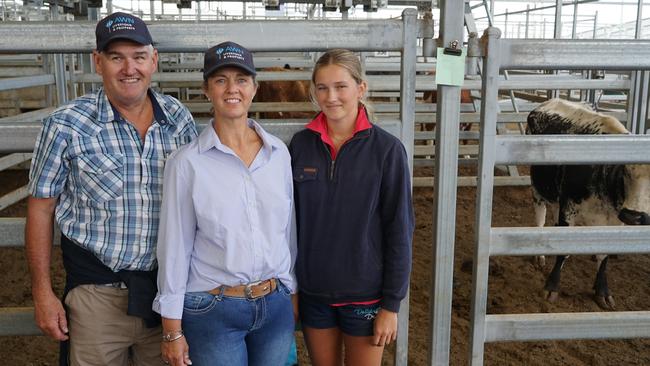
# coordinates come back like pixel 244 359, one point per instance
pixel 97 168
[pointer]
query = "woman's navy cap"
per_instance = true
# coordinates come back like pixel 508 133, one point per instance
pixel 227 54
pixel 121 26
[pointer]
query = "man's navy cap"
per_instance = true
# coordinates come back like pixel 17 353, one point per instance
pixel 121 26
pixel 227 54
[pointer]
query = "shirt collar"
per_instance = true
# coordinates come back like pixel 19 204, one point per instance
pixel 107 112
pixel 319 124
pixel 209 138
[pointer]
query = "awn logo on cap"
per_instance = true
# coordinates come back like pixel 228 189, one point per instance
pixel 231 52
pixel 227 54
pixel 121 22
pixel 121 26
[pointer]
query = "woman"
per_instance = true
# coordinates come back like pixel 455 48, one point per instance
pixel 355 220
pixel 225 248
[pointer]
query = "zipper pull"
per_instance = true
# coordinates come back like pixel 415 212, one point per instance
pixel 332 170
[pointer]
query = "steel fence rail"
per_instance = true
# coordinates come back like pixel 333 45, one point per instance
pixel 556 326
pixel 305 35
pixel 572 54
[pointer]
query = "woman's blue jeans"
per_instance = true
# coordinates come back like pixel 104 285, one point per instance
pixel 222 330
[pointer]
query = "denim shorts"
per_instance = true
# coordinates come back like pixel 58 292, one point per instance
pixel 354 320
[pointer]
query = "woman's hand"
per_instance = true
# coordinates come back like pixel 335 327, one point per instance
pixel 174 349
pixel 385 328
pixel 176 353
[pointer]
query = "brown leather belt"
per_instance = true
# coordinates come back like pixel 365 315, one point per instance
pixel 252 290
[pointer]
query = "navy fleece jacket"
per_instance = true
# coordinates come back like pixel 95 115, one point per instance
pixel 355 218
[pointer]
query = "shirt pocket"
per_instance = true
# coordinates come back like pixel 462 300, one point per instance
pixel 304 174
pixel 101 176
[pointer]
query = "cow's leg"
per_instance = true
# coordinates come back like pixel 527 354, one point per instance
pixel 552 286
pixel 540 219
pixel 603 297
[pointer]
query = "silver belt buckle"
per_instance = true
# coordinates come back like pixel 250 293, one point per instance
pixel 248 290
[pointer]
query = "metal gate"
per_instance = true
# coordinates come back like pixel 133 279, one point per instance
pixel 502 149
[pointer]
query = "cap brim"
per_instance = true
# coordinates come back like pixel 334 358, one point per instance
pixel 206 74
pixel 132 37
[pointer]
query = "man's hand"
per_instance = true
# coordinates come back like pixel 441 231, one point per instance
pixel 50 316
pixel 48 310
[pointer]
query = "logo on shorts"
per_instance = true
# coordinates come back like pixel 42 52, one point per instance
pixel 368 313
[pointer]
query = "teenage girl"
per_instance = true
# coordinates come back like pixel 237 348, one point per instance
pixel 355 220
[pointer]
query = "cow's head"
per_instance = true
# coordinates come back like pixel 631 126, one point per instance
pixel 636 207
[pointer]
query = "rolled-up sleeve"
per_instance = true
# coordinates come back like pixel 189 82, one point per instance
pixel 175 239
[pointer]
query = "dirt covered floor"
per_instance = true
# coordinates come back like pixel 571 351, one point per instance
pixel 515 287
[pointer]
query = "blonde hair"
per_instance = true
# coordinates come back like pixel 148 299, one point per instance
pixel 347 60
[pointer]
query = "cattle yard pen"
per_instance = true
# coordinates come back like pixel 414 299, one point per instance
pixel 503 54
pixel 44 37
pixel 17 136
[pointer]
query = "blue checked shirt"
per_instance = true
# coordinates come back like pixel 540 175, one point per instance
pixel 107 180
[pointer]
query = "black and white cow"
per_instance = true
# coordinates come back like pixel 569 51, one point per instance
pixel 585 195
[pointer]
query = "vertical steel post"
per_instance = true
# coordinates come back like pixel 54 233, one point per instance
pixel 635 97
pixel 557 34
pixel 407 116
pixel 59 65
pixel 48 66
pixel 642 101
pixel 444 193
pixel 527 19
pixel 487 142
pixel 557 30
pixel 639 20
pixel 574 25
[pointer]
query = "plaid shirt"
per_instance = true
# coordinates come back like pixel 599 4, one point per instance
pixel 107 180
